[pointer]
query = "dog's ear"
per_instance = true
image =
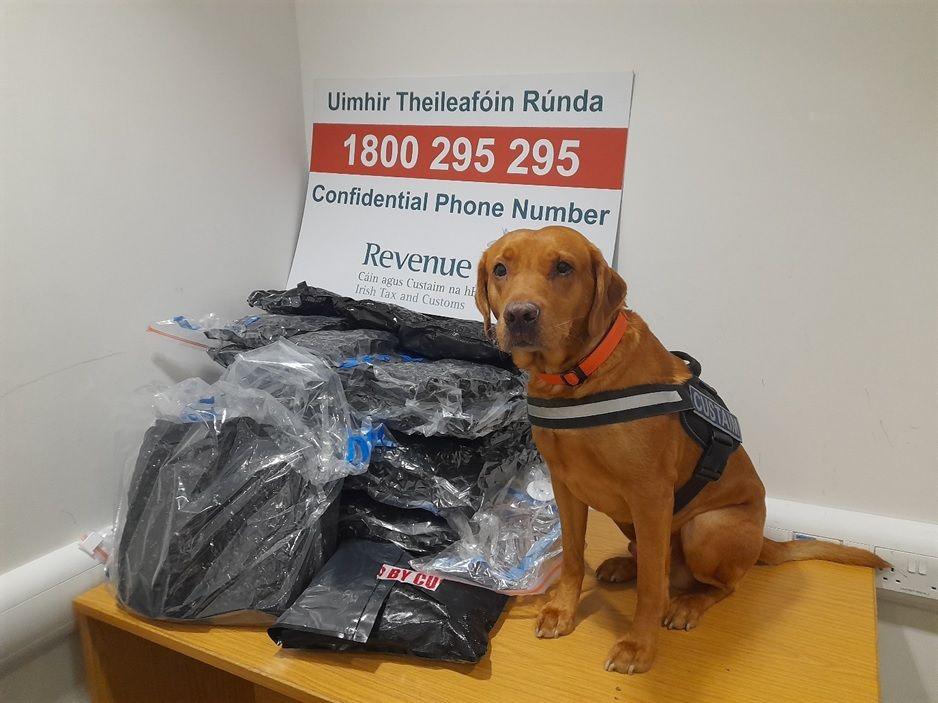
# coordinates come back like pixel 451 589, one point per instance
pixel 482 294
pixel 609 294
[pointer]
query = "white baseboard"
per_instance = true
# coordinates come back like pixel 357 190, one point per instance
pixel 861 529
pixel 36 600
pixel 911 547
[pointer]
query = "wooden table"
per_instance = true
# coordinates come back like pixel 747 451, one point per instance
pixel 800 632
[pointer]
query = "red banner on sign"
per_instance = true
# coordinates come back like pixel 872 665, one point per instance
pixel 575 157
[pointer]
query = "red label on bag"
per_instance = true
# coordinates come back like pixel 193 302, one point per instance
pixel 414 578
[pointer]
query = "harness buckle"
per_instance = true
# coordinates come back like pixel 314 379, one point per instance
pixel 713 460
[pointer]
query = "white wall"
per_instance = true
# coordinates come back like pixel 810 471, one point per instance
pixel 152 161
pixel 779 217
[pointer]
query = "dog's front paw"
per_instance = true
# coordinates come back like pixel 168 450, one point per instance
pixel 629 656
pixel 554 621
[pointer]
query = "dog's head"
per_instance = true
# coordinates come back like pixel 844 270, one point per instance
pixel 550 290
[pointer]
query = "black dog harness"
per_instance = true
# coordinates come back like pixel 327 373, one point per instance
pixel 704 417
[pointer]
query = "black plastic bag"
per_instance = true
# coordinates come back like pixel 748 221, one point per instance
pixel 450 338
pixel 376 315
pixel 445 397
pixel 219 523
pixel 430 336
pixel 349 607
pixel 417 531
pixel 443 474
pixel 300 300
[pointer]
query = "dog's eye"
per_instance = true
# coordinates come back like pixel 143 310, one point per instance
pixel 500 270
pixel 563 268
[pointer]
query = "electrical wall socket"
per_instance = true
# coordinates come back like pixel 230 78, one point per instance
pixel 915 574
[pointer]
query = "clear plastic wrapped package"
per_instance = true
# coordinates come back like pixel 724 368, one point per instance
pixel 443 474
pixel 512 545
pixel 417 531
pixel 305 385
pixel 342 346
pixel 259 330
pixel 232 501
pixel 225 339
pixel 445 397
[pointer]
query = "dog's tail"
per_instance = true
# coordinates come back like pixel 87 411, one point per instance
pixel 777 552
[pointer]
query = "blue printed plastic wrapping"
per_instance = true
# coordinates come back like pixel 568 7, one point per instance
pixel 231 501
pixel 512 544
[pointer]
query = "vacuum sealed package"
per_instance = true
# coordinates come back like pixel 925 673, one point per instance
pixel 445 474
pixel 377 315
pixel 257 330
pixel 260 330
pixel 231 504
pixel 446 397
pixel 419 334
pixel 512 544
pixel 450 338
pixel 300 300
pixel 417 531
pixel 430 336
pixel 343 347
pixel 366 598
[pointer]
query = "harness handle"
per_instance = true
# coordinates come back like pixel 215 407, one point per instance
pixel 691 362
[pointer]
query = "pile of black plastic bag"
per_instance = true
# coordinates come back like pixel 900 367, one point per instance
pixel 305 495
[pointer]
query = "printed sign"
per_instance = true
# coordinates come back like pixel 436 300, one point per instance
pixel 414 578
pixel 410 179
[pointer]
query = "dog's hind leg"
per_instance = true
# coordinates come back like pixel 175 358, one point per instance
pixel 620 569
pixel 719 546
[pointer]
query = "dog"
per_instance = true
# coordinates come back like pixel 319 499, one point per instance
pixel 556 300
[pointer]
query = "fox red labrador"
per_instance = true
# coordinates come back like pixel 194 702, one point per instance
pixel 561 315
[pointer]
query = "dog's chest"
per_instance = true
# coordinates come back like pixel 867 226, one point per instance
pixel 594 465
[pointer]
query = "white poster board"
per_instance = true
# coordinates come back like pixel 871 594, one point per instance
pixel 411 178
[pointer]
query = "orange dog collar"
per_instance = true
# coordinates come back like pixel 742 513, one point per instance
pixel 582 371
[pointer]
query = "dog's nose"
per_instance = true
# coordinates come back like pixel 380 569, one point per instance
pixel 521 314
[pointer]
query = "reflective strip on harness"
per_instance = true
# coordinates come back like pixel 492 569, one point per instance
pixel 703 416
pixel 608 408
